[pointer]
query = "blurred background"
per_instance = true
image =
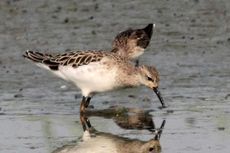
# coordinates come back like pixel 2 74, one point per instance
pixel 190 48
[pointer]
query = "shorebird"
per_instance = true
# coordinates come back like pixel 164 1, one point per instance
pixel 97 71
pixel 125 118
pixel 103 142
pixel 131 43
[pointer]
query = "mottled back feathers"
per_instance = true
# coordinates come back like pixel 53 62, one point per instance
pixel 132 41
pixel 74 58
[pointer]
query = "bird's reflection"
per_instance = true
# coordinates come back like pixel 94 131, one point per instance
pixel 94 141
pixel 126 118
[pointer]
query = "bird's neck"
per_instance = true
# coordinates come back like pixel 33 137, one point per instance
pixel 131 77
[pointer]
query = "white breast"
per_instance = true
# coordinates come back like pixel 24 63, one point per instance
pixel 96 144
pixel 94 77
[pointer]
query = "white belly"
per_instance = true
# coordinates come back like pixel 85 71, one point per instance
pixel 91 78
pixel 97 144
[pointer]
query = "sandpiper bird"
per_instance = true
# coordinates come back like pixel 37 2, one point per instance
pixel 97 71
pixel 125 118
pixel 131 43
pixel 94 141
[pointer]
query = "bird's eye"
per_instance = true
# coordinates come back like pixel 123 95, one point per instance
pixel 151 149
pixel 150 79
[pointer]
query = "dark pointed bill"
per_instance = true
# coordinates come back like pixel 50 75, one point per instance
pixel 159 131
pixel 159 96
pixel 149 30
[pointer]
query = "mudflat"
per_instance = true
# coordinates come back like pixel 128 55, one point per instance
pixel 190 48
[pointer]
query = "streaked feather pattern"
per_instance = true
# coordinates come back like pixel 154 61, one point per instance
pixel 74 58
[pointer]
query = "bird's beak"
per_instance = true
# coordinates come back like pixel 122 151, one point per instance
pixel 159 96
pixel 149 30
pixel 159 131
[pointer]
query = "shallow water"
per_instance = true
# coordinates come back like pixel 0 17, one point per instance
pixel 190 48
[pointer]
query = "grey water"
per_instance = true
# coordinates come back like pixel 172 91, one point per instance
pixel 189 47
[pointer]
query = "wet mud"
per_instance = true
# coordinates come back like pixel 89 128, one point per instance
pixel 190 48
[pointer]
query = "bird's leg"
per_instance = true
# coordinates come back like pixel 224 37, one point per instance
pixel 82 119
pixel 82 106
pixel 84 103
pixel 85 122
pixel 88 122
pixel 87 102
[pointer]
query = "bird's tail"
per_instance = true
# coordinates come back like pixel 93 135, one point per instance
pixel 36 56
pixel 42 59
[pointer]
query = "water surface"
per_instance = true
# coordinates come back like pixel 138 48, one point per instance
pixel 190 48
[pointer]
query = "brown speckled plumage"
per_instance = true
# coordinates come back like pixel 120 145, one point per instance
pixel 73 58
pixel 132 42
pixel 102 142
pixel 96 71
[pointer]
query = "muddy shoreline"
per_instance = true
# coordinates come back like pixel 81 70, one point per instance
pixel 190 48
